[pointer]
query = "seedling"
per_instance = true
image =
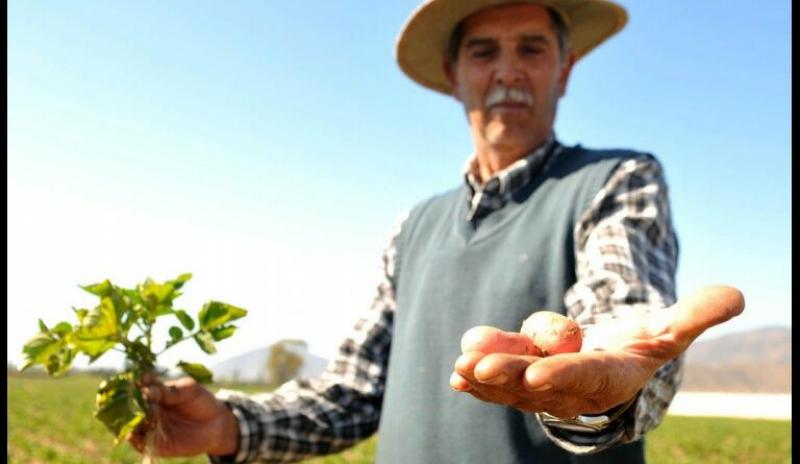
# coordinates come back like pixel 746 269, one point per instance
pixel 124 322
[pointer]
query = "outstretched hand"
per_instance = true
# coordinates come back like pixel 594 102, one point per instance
pixel 617 359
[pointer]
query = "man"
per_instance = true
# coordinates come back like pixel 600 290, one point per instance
pixel 536 225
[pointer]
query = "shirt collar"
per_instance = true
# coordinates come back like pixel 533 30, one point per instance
pixel 526 164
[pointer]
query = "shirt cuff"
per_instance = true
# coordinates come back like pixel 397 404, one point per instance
pixel 245 452
pixel 618 431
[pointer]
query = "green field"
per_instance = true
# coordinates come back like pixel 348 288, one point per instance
pixel 50 421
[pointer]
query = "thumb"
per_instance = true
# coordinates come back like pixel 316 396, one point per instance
pixel 705 308
pixel 174 392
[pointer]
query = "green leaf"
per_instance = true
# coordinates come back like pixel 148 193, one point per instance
pixel 81 313
pixel 101 289
pixel 163 292
pixel 206 342
pixel 186 320
pixel 62 329
pixel 127 322
pixel 139 354
pixel 163 310
pixel 103 318
pixel 154 293
pixel 126 429
pixel 38 349
pixel 180 280
pixel 59 363
pixel 93 347
pixel 98 330
pixel 122 304
pixel 133 296
pixel 137 393
pixel 43 327
pixel 116 405
pixel 221 333
pixel 118 297
pixel 175 332
pixel 215 314
pixel 197 371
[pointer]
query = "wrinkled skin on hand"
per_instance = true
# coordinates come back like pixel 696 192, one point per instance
pixel 617 359
pixel 191 420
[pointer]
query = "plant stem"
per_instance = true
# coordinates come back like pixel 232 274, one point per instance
pixel 124 341
pixel 177 341
pixel 140 327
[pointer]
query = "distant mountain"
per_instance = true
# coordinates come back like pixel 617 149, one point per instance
pixel 251 366
pixel 768 345
pixel 756 361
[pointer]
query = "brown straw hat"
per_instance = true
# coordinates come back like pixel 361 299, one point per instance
pixel 422 44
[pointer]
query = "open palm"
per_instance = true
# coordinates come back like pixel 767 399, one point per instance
pixel 617 359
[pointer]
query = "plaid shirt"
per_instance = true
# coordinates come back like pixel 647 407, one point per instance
pixel 626 257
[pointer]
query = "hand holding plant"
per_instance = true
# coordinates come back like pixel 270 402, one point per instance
pixel 123 321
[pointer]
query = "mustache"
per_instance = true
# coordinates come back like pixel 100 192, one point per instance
pixel 503 94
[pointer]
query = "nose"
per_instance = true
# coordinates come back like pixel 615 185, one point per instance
pixel 509 72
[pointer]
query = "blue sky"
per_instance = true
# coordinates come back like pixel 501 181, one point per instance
pixel 268 147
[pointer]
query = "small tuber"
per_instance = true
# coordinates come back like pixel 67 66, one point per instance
pixel 553 333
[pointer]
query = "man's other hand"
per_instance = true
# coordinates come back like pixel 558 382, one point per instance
pixel 617 359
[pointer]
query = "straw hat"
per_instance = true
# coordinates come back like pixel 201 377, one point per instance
pixel 423 41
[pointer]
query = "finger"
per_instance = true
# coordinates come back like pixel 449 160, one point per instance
pixel 503 369
pixel 576 373
pixel 478 395
pixel 493 340
pixel 705 308
pixel 465 364
pixel 459 383
pixel 151 393
pixel 137 440
pixel 174 392
pixel 148 378
pixel 593 382
pixel 667 332
pixel 507 397
pixel 496 395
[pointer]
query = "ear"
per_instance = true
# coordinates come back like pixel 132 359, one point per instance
pixel 566 69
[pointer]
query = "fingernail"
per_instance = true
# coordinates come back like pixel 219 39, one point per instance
pixel 544 387
pixel 457 383
pixel 497 380
pixel 460 362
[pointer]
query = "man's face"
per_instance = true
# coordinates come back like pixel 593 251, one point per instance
pixel 509 76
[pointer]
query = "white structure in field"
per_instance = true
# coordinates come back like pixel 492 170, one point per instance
pixel 742 405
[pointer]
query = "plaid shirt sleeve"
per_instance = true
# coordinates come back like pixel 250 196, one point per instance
pixel 306 418
pixel 626 258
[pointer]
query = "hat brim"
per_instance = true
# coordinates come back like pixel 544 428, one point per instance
pixel 423 41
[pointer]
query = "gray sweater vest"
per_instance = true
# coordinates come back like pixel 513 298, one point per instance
pixel 450 277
